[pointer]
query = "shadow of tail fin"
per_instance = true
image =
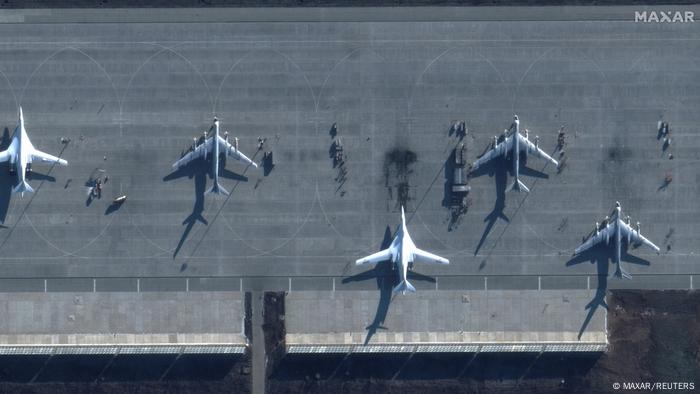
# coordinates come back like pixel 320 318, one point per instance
pixel 518 186
pixel 620 273
pixel 23 187
pixel 404 287
pixel 216 188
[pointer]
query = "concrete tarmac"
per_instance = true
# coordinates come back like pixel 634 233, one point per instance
pixel 131 97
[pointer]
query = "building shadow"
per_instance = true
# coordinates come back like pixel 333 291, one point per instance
pixel 197 170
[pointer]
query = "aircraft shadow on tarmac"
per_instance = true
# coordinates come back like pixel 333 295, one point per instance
pixel 601 255
pixel 386 277
pixel 449 180
pixel 198 170
pixel 500 169
pixel 7 180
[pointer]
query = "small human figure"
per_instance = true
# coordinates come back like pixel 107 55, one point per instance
pixel 561 138
pixel 668 178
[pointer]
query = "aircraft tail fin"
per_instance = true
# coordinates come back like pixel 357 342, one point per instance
pixel 23 187
pixel 216 188
pixel 518 186
pixel 404 287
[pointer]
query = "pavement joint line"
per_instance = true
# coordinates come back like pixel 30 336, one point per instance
pixel 94 285
pixel 45 286
pixel 334 14
pixel 486 283
pixel 138 285
pixel 539 283
pixel 187 285
pixel 588 282
pixel 691 282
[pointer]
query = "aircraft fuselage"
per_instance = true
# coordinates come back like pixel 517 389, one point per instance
pixel 516 150
pixel 23 156
pixel 215 153
pixel 404 254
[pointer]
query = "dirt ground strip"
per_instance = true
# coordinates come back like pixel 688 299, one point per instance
pixel 654 337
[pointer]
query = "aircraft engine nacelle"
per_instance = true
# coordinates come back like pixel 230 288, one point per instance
pixel 235 143
pixel 597 228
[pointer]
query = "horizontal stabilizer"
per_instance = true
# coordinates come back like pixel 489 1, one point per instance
pixel 217 189
pixel 404 287
pixel 23 187
pixel 518 186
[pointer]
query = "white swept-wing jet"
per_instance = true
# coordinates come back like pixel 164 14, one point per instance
pixel 514 143
pixel 614 228
pixel 21 153
pixel 403 252
pixel 212 146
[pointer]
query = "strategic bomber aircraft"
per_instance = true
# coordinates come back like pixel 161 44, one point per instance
pixel 616 228
pixel 21 153
pixel 211 147
pixel 403 252
pixel 514 144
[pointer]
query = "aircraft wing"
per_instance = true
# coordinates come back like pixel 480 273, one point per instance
pixel 233 152
pixel 375 258
pixel 531 149
pixel 595 239
pixel 47 158
pixel 6 154
pixel 198 152
pixel 635 236
pixel 426 257
pixel 499 150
